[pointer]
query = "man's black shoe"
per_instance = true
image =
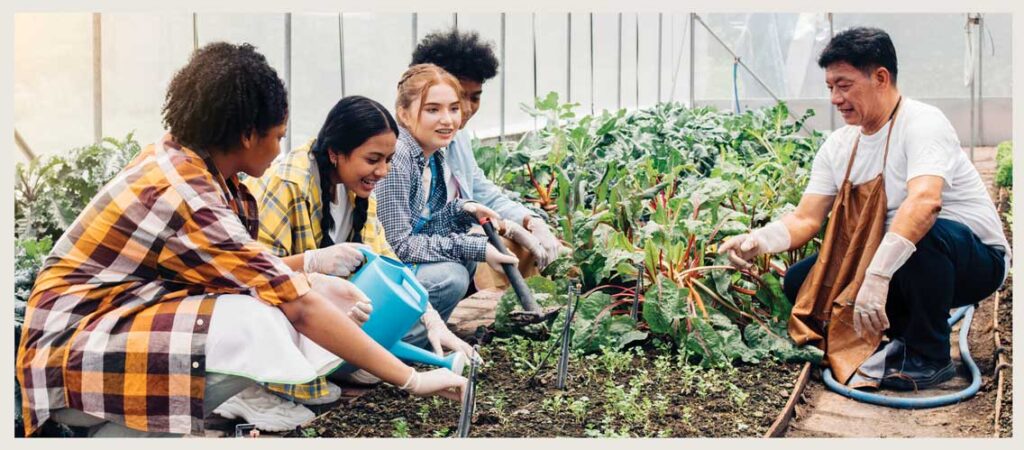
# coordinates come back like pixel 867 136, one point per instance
pixel 918 373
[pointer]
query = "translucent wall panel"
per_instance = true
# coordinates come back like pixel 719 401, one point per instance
pixel 430 22
pixel 929 47
pixel 316 73
pixel 996 56
pixel 552 51
pixel 519 85
pixel 264 31
pixel 486 122
pixel 647 27
pixel 53 82
pixel 606 62
pixel 378 48
pixel 141 53
pixel 581 76
pixel 629 62
pixel 53 69
pixel 677 81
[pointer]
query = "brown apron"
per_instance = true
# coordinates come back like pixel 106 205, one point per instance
pixel 823 313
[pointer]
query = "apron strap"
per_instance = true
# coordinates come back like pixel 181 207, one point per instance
pixel 888 136
pixel 892 124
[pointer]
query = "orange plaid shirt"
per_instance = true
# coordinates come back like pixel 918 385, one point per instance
pixel 116 323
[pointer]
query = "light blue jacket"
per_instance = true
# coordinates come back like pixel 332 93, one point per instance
pixel 475 185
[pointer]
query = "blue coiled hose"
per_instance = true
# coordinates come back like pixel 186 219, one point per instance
pixel 921 402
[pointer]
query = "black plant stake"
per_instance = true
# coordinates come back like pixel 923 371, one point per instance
pixel 563 360
pixel 635 309
pixel 468 398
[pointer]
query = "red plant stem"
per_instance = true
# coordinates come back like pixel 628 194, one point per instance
pixel 544 197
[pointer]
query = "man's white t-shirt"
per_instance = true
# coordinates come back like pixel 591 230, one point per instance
pixel 923 143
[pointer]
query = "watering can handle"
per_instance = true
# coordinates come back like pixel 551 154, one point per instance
pixel 369 254
pixel 410 283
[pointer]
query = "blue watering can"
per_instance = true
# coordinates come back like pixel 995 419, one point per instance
pixel 398 302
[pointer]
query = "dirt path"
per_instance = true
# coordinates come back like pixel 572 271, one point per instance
pixel 827 414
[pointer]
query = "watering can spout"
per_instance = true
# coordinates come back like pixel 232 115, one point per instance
pixel 408 352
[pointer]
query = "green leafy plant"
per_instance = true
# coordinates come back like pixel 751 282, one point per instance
pixel 401 428
pixel 50 192
pixel 658 189
pixel 1004 165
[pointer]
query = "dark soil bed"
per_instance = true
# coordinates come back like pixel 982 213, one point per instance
pixel 641 393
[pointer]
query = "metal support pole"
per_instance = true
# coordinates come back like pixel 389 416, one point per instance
pixel 195 32
pixel 341 50
pixel 831 110
pixel 504 68
pixel 618 70
pixel 981 92
pixel 288 72
pixel 661 19
pixel 455 21
pixel 533 39
pixel 415 26
pixel 636 59
pixel 972 20
pixel 97 78
pixel 592 64
pixel 23 146
pixel 568 57
pixel 745 67
pixel 693 37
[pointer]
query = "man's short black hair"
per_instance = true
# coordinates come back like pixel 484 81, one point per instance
pixel 462 54
pixel 861 47
pixel 224 92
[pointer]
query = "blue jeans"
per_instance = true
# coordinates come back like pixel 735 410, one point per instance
pixel 446 283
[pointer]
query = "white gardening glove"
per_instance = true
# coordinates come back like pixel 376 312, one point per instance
pixel 743 248
pixel 442 338
pixel 869 316
pixel 480 211
pixel 441 382
pixel 338 259
pixel 495 259
pixel 343 294
pixel 519 235
pixel 552 246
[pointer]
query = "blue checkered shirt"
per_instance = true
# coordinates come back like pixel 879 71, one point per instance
pixel 400 199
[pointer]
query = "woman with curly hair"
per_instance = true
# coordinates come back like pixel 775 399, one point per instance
pixel 158 303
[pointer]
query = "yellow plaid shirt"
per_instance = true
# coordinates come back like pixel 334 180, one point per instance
pixel 289 199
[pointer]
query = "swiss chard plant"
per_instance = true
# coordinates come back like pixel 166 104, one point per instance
pixel 658 189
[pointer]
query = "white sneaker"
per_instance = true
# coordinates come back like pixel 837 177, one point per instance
pixel 362 377
pixel 265 410
pixel 332 395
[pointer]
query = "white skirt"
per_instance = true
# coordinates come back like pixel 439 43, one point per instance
pixel 252 339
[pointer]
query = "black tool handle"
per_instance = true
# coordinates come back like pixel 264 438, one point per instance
pixel 514 277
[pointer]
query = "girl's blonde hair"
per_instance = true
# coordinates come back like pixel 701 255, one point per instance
pixel 417 81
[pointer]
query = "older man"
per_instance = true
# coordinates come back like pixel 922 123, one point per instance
pixel 912 231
